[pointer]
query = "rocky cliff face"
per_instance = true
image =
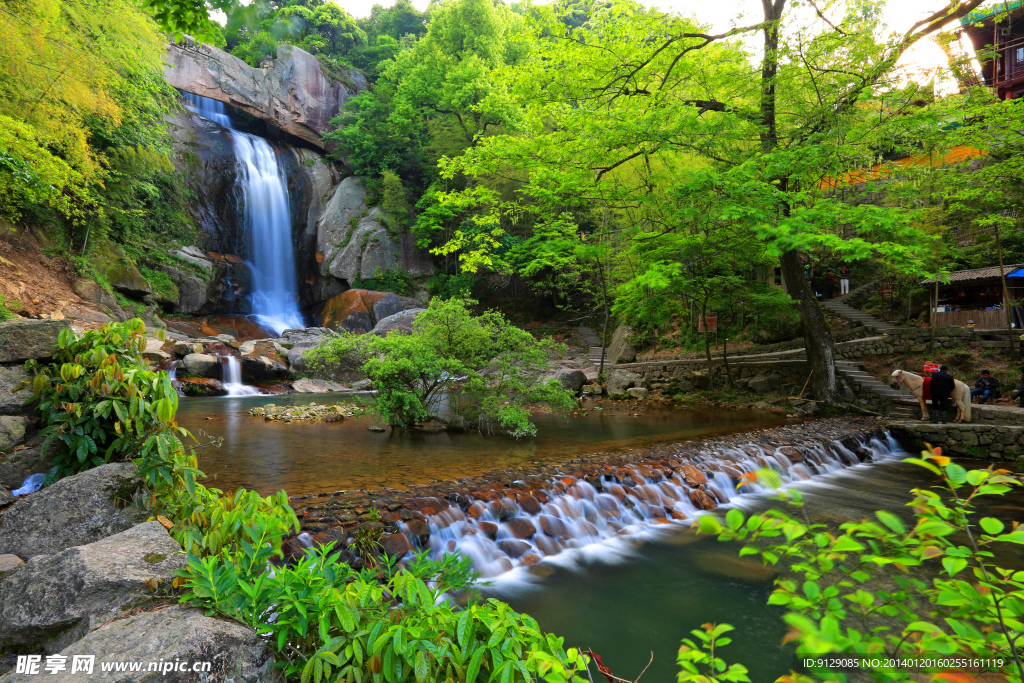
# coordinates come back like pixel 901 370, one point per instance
pixel 294 95
pixel 353 240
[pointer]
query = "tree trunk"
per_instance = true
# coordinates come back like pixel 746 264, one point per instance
pixel 817 335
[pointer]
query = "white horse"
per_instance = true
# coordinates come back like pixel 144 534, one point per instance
pixel 961 394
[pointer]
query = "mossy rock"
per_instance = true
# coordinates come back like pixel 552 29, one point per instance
pixel 120 271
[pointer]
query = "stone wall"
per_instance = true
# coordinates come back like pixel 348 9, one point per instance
pixel 998 442
pixel 905 340
pixel 690 374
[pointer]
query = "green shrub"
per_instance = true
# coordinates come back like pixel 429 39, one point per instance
pixel 5 312
pixel 861 591
pixel 444 286
pixel 489 369
pixel 162 284
pixel 128 305
pixel 99 401
pixel 395 280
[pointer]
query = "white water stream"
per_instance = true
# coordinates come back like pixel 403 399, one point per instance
pixel 267 221
pixel 574 521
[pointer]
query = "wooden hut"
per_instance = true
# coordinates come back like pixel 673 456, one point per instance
pixel 977 295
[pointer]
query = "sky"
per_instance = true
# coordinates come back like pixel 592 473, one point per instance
pixel 725 14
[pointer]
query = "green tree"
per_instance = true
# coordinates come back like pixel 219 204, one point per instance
pixel 648 94
pixel 485 369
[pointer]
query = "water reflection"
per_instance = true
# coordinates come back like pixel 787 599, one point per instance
pixel 304 457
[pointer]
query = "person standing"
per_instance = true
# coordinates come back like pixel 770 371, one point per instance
pixel 830 284
pixel 844 280
pixel 942 386
pixel 1019 392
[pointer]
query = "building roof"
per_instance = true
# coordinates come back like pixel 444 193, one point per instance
pixel 983 13
pixel 976 274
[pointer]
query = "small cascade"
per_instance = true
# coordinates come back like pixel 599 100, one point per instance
pixel 207 108
pixel 233 378
pixel 538 519
pixel 172 369
pixel 267 221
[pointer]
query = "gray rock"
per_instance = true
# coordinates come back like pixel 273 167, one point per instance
pixel 637 392
pixel 235 652
pixel 12 431
pixel 193 291
pixel 185 348
pixel 620 380
pixel 457 424
pixel 21 338
pixel 760 384
pixel 13 402
pixel 201 365
pixel 56 599
pixel 74 511
pixel 294 95
pixel 93 293
pixel 302 340
pixel 261 369
pixel 19 465
pixel 120 271
pixel 317 386
pixel 398 322
pixel 195 256
pixel 355 241
pixel 619 349
pixel 9 564
pixel 362 385
pixel 572 380
pixel 6 497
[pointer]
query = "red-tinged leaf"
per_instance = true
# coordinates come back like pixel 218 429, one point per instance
pixel 954 677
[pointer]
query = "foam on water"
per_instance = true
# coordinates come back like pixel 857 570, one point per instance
pixel 578 524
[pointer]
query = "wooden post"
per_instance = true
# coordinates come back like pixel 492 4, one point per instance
pixel 1006 296
pixel 934 313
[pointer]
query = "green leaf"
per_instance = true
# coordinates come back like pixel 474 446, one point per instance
pixel 891 520
pixel 991 525
pixel 953 565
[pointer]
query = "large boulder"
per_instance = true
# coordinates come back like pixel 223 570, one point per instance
pixel 235 652
pixel 353 240
pixel 619 349
pixel 572 380
pixel 74 511
pixel 91 291
pixel 19 465
pixel 620 381
pixel 359 310
pixel 120 271
pixel 193 291
pixel 54 600
pixel 200 365
pixel 293 95
pixel 12 431
pixel 13 402
pixel 397 322
pixel 262 369
pixel 21 338
pixel 300 340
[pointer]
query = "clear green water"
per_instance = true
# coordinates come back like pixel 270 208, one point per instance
pixel 651 598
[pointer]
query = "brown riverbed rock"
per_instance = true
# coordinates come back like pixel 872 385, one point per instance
pixel 514 549
pixel 553 526
pixel 693 477
pixel 488 529
pixel 521 528
pixel 701 500
pixel 395 545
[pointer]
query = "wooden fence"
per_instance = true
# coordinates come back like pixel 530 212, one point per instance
pixel 983 320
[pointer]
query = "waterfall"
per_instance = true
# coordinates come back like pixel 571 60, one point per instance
pixel 541 518
pixel 233 378
pixel 172 369
pixel 207 108
pixel 267 221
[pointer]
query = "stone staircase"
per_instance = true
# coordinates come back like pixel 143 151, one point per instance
pixel 905 406
pixel 839 307
pixel 592 341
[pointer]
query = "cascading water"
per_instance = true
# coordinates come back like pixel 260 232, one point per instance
pixel 519 527
pixel 267 221
pixel 233 378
